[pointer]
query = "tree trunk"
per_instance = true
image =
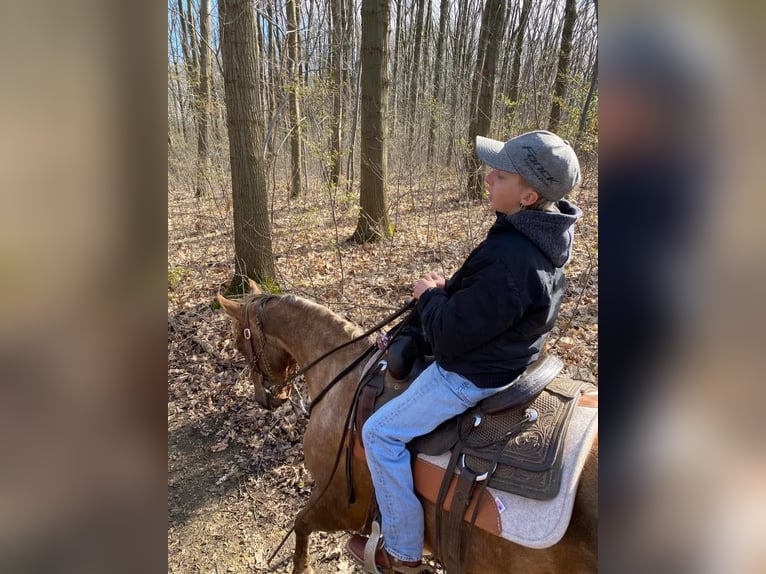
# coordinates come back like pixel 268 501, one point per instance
pixel 427 70
pixel 438 66
pixel 181 101
pixel 203 99
pixel 518 46
pixel 295 115
pixel 397 57
pixel 505 56
pixel 352 131
pixel 477 72
pixel 481 119
pixel 190 72
pixel 337 60
pixel 373 218
pixel 416 72
pixel 261 65
pixel 184 33
pixel 193 48
pixel 252 235
pixel 562 71
pixel 458 73
pixel 588 100
pixel 272 65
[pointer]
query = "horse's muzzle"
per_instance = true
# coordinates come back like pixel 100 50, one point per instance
pixel 271 396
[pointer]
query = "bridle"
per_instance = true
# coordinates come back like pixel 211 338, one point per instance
pixel 255 354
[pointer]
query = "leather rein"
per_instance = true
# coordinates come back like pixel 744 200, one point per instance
pixel 254 355
pixel 406 307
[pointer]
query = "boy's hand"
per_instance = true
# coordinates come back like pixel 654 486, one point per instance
pixel 436 278
pixel 422 285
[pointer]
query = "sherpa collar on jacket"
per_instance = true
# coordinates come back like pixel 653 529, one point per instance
pixel 551 231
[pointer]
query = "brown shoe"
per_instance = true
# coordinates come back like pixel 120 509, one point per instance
pixel 383 560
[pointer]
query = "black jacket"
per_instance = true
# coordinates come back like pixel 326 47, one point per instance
pixel 492 318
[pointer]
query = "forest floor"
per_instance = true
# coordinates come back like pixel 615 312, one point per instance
pixel 236 477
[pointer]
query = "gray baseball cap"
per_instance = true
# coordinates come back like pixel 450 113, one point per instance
pixel 545 161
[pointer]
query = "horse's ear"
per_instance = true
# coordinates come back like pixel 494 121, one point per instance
pixel 254 289
pixel 232 308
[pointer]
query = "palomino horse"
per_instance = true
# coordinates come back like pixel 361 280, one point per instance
pixel 286 328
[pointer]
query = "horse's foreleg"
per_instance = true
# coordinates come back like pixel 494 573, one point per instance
pixel 328 513
pixel 303 530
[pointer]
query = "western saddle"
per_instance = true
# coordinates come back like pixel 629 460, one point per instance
pixel 511 441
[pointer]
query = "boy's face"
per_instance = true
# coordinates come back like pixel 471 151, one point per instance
pixel 507 191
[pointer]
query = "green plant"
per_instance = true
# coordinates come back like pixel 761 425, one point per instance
pixel 176 275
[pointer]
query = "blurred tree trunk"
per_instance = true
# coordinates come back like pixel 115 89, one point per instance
pixel 294 89
pixel 483 88
pixel 373 218
pixel 203 99
pixel 252 234
pixel 562 70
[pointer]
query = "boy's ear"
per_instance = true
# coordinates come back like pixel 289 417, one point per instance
pixel 530 197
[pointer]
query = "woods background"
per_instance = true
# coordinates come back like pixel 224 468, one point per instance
pixel 344 173
pixel 309 70
pixel 335 99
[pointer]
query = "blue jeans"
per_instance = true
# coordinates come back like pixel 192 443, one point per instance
pixel 435 396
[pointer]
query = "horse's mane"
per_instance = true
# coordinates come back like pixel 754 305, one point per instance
pixel 305 306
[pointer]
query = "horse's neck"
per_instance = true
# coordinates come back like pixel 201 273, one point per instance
pixel 307 331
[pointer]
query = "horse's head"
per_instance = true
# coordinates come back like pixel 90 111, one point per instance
pixel 269 362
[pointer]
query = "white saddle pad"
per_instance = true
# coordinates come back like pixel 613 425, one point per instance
pixel 542 523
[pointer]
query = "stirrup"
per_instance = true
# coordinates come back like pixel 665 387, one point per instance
pixel 371 548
